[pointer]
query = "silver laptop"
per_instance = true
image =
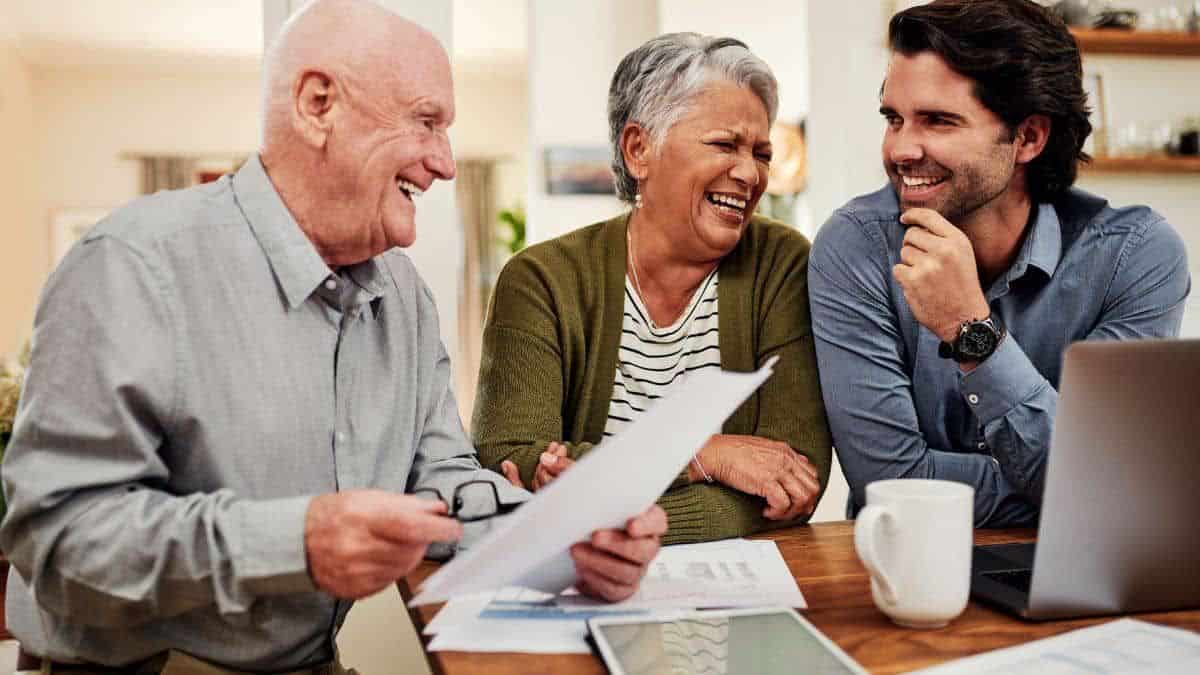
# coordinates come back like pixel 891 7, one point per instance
pixel 1120 520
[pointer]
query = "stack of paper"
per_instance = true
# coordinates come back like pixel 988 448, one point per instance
pixel 731 573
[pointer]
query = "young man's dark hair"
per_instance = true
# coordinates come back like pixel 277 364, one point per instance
pixel 1024 62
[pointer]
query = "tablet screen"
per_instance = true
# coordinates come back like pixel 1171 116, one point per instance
pixel 774 643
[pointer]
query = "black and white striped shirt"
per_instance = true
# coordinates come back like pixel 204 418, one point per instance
pixel 652 362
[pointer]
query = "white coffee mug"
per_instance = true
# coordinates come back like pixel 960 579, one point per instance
pixel 914 537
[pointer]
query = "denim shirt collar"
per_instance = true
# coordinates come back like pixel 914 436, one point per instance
pixel 1041 249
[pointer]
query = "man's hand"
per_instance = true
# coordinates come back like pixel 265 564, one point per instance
pixel 938 274
pixel 612 563
pixel 770 469
pixel 361 541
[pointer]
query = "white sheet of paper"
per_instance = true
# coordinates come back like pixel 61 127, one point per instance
pixel 728 573
pixel 604 489
pixel 529 637
pixel 1124 646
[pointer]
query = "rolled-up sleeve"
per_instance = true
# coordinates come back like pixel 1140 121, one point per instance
pixel 90 526
pixel 867 390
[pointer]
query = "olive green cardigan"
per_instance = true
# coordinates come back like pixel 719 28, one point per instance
pixel 550 354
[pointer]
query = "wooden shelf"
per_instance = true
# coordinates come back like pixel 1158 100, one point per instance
pixel 1172 165
pixel 1137 43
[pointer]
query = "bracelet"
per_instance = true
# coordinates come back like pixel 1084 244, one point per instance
pixel 696 461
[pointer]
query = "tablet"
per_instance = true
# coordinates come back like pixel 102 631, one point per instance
pixel 727 642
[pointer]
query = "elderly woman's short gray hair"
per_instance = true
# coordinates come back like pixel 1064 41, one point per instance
pixel 655 83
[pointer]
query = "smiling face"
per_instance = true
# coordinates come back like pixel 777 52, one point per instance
pixel 943 149
pixel 388 147
pixel 706 176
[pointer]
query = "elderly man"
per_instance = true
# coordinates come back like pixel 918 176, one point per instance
pixel 233 385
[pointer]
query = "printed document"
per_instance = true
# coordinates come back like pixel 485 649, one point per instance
pixel 730 573
pixel 718 574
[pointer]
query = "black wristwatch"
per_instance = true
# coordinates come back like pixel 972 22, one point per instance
pixel 976 340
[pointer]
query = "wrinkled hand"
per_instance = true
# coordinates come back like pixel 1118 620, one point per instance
pixel 360 541
pixel 612 563
pixel 770 469
pixel 938 275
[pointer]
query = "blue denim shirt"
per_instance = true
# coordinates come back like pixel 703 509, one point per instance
pixel 1085 271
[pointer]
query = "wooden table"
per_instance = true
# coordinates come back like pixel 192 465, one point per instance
pixel 822 559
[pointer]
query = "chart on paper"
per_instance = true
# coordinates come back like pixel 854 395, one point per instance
pixel 729 573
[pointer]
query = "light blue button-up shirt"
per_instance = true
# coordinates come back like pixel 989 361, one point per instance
pixel 1085 271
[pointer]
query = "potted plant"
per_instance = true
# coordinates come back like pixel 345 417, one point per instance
pixel 512 231
pixel 12 375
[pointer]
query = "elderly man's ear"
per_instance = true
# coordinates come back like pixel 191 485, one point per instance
pixel 316 106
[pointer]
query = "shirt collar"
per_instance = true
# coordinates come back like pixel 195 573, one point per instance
pixel 1043 246
pixel 298 268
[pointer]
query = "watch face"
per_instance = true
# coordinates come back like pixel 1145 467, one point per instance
pixel 977 342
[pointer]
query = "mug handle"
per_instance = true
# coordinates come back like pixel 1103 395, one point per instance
pixel 870 519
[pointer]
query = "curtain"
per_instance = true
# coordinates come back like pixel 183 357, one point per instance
pixel 475 188
pixel 166 173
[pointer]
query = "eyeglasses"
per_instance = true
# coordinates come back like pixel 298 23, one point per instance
pixel 473 501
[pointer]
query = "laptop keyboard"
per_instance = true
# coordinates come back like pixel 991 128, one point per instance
pixel 1018 579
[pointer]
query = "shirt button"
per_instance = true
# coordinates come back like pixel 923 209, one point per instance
pixel 331 285
pixel 341 437
pixel 973 399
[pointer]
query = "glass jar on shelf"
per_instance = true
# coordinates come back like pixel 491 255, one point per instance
pixel 1189 137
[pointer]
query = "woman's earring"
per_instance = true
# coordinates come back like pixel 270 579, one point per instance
pixel 637 200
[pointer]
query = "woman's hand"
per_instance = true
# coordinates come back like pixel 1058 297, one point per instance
pixel 763 467
pixel 551 462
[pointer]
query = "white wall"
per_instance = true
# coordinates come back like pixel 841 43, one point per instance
pixel 775 30
pixel 847 63
pixel 89 119
pixel 573 50
pixel 23 232
pixel 493 123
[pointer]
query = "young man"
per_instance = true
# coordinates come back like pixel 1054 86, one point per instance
pixel 942 303
pixel 233 385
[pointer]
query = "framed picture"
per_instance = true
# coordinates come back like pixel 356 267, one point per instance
pixel 579 171
pixel 1097 145
pixel 68 225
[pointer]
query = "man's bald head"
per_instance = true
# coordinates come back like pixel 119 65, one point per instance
pixel 366 48
pixel 357 105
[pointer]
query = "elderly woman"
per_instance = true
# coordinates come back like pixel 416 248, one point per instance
pixel 588 330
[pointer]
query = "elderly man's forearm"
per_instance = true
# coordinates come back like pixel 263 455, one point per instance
pixel 131 558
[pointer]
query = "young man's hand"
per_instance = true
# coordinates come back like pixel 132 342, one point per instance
pixel 938 275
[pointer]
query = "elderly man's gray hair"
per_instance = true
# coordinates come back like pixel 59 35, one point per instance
pixel 654 85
